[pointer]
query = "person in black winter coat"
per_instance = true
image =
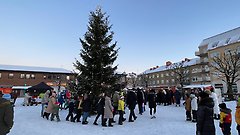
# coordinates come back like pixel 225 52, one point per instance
pixel 205 121
pixel 86 105
pixel 152 103
pixel 177 96
pixel 100 109
pixel 131 103
pixel 77 108
pixel 140 100
pixel 70 108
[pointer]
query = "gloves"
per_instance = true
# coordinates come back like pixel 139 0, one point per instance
pixel 220 125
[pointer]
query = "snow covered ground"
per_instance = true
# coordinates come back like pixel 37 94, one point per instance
pixel 170 121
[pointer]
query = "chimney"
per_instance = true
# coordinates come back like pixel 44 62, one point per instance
pixel 168 63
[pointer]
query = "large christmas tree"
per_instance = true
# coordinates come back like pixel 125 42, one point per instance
pixel 98 53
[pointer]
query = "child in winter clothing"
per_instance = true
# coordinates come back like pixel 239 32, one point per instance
pixel 194 107
pixel 70 110
pixel 187 104
pixel 237 117
pixel 225 119
pixel 121 110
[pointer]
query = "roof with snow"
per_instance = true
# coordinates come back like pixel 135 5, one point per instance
pixel 228 37
pixel 33 69
pixel 191 62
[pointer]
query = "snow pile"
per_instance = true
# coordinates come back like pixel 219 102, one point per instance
pixel 170 121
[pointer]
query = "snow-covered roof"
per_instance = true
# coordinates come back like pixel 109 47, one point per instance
pixel 33 69
pixel 228 37
pixel 197 86
pixel 191 62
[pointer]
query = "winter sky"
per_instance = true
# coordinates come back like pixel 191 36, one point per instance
pixel 149 32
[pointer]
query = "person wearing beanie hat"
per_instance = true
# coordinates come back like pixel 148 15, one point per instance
pixel 225 119
pixel 121 109
pixel 205 121
pixel 6 115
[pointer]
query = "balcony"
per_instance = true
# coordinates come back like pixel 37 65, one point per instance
pixel 197 53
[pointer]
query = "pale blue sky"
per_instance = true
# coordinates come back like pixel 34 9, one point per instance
pixel 148 32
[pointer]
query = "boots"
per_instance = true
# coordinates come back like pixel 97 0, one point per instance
pixel 110 122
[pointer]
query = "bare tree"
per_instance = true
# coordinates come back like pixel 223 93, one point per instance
pixel 144 80
pixel 181 72
pixel 227 68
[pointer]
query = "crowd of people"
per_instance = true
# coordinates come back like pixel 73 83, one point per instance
pixel 201 107
pixel 107 105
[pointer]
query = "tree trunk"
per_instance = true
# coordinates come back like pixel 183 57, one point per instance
pixel 229 91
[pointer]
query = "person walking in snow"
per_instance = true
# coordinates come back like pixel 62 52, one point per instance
pixel 44 101
pixel 225 119
pixel 140 100
pixel 78 108
pixel 152 103
pixel 108 111
pixel 131 103
pixel 86 107
pixel 27 98
pixel 216 110
pixel 115 100
pixel 177 96
pixel 6 115
pixel 70 108
pixel 53 107
pixel 121 109
pixel 187 105
pixel 100 108
pixel 205 121
pixel 194 107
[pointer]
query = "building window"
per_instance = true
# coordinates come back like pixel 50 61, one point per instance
pixel 194 79
pixel 173 81
pixel 238 50
pixel 28 76
pixel 167 74
pixel 44 77
pixel 10 76
pixel 215 54
pixel 153 76
pixel 167 81
pixel 227 51
pixel 157 75
pixel 22 76
pixel 227 41
pixel 157 81
pixel 49 77
pixel 32 76
pixel 162 81
pixel 161 75
pixel 215 44
pixel 68 77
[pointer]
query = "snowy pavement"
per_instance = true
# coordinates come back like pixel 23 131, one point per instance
pixel 170 121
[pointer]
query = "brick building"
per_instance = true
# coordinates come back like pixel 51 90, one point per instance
pixel 22 77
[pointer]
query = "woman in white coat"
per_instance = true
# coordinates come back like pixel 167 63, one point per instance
pixel 216 110
pixel 194 107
